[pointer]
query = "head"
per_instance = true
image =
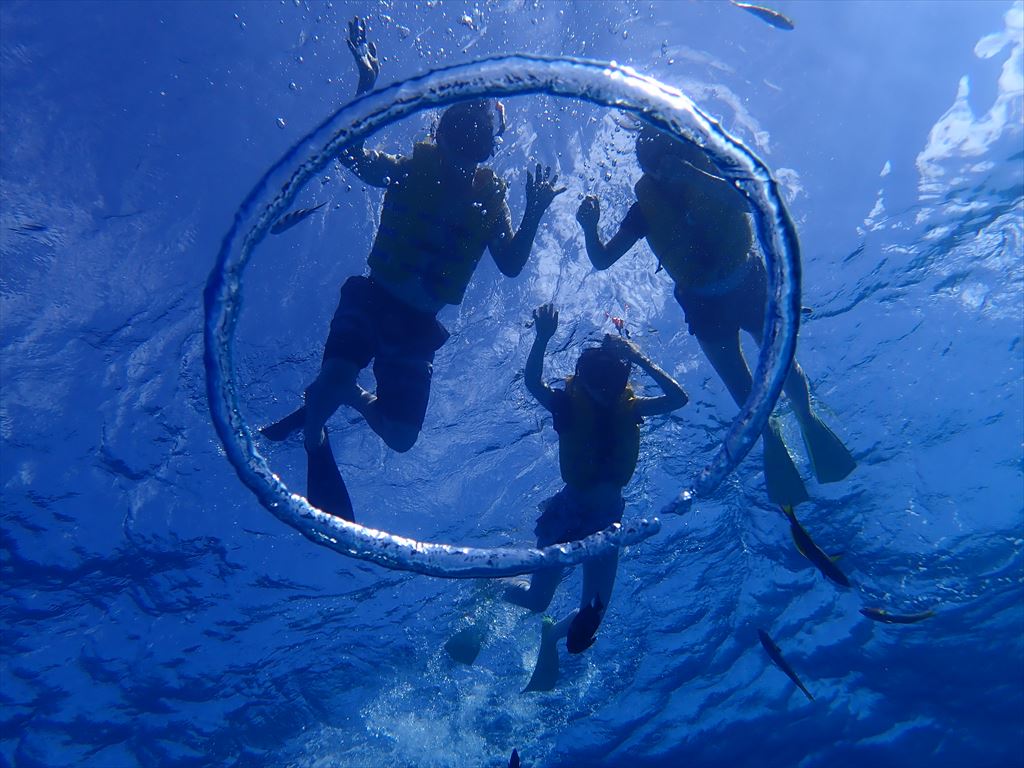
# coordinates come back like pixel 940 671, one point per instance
pixel 602 374
pixel 467 132
pixel 669 159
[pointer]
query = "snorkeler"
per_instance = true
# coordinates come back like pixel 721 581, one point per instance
pixel 441 211
pixel 697 225
pixel 597 418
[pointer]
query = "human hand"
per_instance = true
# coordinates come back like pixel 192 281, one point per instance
pixel 364 53
pixel 545 321
pixel 540 189
pixel 589 212
pixel 622 348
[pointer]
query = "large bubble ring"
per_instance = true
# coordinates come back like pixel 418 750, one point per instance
pixel 606 84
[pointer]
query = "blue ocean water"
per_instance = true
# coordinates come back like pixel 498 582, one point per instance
pixel 154 614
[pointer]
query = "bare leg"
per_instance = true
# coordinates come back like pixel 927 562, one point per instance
pixel 782 480
pixel 538 595
pixel 334 386
pixel 726 357
pixel 398 435
pixel 796 388
pixel 831 459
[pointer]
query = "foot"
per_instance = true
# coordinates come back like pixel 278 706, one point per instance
pixel 518 593
pixel 286 427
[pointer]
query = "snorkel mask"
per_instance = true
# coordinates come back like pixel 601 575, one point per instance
pixel 468 128
pixel 666 158
pixel 602 373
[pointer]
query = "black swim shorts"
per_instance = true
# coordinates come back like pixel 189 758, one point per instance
pixel 715 317
pixel 371 324
pixel 568 517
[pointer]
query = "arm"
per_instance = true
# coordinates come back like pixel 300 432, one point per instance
pixel 674 397
pixel 545 321
pixel 631 229
pixel 373 167
pixel 510 251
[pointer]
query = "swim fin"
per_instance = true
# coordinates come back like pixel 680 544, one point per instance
pixel 325 488
pixel 545 674
pixel 781 479
pixel 464 645
pixel 286 427
pixel 831 459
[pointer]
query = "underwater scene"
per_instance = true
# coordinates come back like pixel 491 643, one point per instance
pixel 522 383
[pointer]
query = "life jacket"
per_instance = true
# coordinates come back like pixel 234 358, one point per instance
pixel 430 231
pixel 694 256
pixel 595 444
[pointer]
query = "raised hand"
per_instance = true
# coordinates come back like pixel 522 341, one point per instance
pixel 364 53
pixel 589 212
pixel 545 321
pixel 540 189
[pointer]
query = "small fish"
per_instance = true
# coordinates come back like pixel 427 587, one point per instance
pixel 805 544
pixel 776 656
pixel 513 762
pixel 776 19
pixel 583 629
pixel 292 218
pixel 882 615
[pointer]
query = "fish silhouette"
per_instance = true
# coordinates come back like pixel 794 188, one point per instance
pixel 812 551
pixel 292 218
pixel 767 15
pixel 882 615
pixel 776 656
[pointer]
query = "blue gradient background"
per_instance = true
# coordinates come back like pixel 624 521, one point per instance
pixel 154 614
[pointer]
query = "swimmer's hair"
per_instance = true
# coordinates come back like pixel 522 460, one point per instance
pixel 469 125
pixel 652 145
pixel 599 367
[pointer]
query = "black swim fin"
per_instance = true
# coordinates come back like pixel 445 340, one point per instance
pixel 831 459
pixel 781 479
pixel 286 427
pixel 464 645
pixel 325 488
pixel 545 674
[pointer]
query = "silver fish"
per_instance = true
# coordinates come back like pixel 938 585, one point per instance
pixel 776 656
pixel 806 546
pixel 882 615
pixel 776 19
